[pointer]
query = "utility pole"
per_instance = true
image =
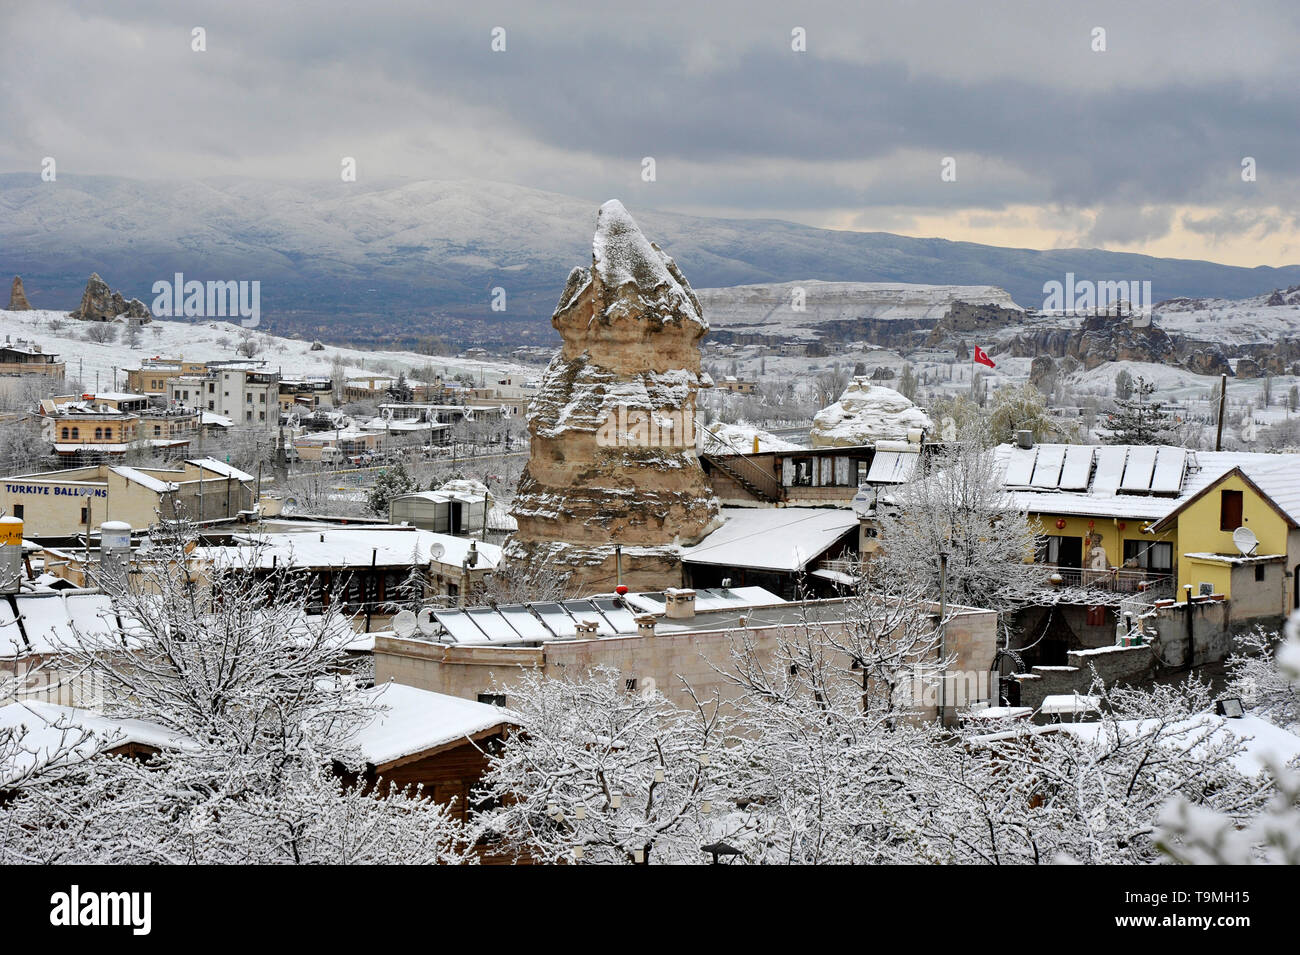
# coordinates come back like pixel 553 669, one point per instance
pixel 1223 397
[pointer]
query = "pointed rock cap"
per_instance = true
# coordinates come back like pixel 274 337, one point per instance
pixel 623 256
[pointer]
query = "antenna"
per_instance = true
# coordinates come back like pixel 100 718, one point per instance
pixel 405 624
pixel 1246 541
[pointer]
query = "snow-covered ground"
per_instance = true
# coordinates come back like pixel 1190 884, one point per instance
pixel 92 363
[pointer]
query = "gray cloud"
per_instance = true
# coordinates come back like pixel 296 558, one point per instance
pixel 734 118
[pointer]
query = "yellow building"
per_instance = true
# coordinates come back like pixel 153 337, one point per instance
pixel 1136 517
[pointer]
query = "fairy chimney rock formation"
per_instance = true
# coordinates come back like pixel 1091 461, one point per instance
pixel 99 303
pixel 17 297
pixel 612 458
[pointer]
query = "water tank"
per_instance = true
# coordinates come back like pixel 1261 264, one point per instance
pixel 11 554
pixel 114 548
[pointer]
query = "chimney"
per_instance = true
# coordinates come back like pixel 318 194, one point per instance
pixel 645 625
pixel 586 630
pixel 680 603
pixel 1025 439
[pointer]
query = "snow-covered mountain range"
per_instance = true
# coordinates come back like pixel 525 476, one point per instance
pixel 387 255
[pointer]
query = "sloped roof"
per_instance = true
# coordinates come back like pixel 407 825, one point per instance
pixel 1107 490
pixel 415 721
pixel 766 538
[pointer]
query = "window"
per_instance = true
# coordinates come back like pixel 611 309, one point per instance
pixel 18 511
pixel 1229 510
pixel 76 434
pixel 1149 555
pixel 65 433
pixel 157 429
pixel 492 699
pixel 99 433
pixel 1259 568
pixel 1062 551
pixel 630 684
pixel 803 472
pixel 85 516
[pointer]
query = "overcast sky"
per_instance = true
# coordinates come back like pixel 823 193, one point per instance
pixel 1138 148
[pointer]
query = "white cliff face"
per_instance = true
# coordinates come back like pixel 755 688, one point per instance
pixel 841 301
pixel 867 413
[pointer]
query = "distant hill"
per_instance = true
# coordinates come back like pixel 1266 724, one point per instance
pixel 389 262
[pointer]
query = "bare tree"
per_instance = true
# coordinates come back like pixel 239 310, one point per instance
pixel 249 695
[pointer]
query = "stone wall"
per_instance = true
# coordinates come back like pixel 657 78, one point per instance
pixel 1113 665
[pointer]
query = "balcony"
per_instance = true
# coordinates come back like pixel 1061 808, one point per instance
pixel 1121 580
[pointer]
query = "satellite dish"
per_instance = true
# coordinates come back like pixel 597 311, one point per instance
pixel 1246 541
pixel 289 506
pixel 436 551
pixel 425 621
pixel 469 414
pixel 405 624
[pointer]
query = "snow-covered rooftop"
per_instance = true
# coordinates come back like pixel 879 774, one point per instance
pixel 349 547
pixel 414 721
pixel 65 734
pixel 1144 482
pixel 763 538
pixel 220 467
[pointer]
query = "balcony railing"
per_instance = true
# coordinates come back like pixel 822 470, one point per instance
pixel 1124 580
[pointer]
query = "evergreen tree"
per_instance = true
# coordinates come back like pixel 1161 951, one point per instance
pixel 392 482
pixel 1140 419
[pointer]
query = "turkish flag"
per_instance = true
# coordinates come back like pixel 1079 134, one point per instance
pixel 982 357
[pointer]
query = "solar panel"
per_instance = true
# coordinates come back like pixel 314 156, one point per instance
pixel 584 611
pixel 1020 467
pixel 459 626
pixel 1077 468
pixel 1110 468
pixel 556 620
pixel 1138 471
pixel 1171 465
pixel 525 624
pixel 619 617
pixel 494 626
pixel 1047 469
pixel 891 467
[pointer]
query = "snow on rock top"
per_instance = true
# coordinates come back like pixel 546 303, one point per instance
pixel 867 413
pixel 621 256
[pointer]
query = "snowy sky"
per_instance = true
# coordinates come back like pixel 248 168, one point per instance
pixel 1135 148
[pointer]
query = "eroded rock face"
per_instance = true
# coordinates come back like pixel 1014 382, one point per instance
pixel 612 457
pixel 99 303
pixel 17 297
pixel 867 413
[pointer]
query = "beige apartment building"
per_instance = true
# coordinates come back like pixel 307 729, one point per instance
pixel 64 503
